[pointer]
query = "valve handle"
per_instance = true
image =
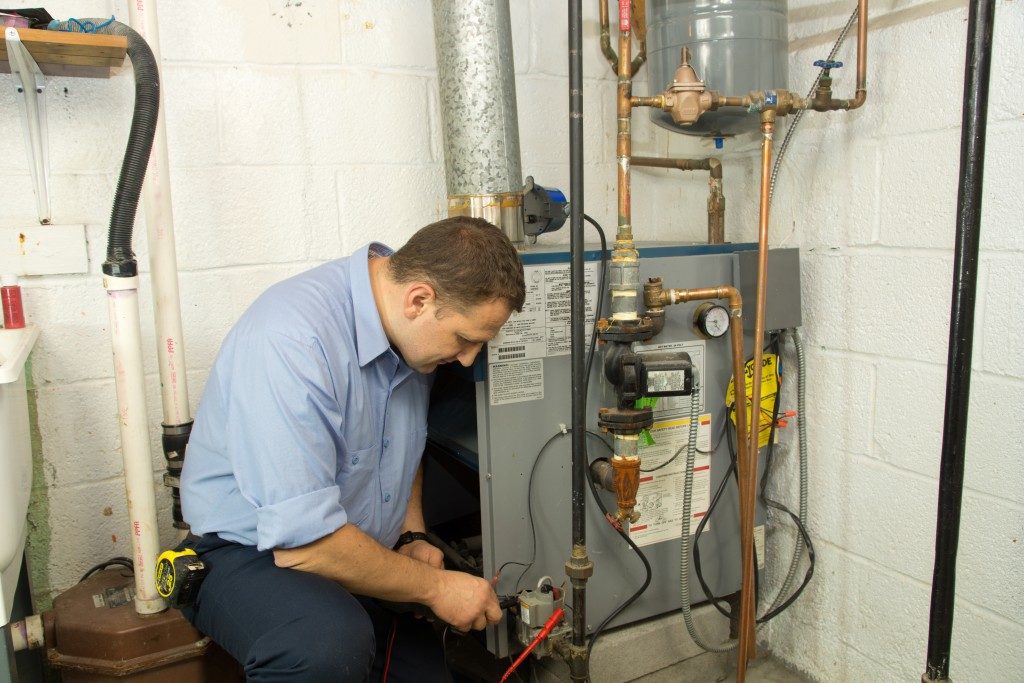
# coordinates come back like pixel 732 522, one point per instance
pixel 828 64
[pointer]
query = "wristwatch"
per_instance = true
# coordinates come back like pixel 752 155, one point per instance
pixel 408 537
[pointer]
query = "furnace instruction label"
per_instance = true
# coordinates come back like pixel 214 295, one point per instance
pixel 659 500
pixel 541 329
pixel 516 381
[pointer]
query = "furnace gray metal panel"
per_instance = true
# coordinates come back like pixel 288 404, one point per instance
pixel 510 436
pixel 782 309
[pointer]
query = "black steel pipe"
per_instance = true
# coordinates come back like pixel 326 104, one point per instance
pixel 961 335
pixel 578 666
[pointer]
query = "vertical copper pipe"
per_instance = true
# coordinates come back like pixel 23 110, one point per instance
pixel 862 55
pixel 748 643
pixel 623 142
pixel 716 200
pixel 606 39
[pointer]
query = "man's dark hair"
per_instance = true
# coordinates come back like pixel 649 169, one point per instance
pixel 466 260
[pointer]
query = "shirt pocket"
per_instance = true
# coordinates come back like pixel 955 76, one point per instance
pixel 357 482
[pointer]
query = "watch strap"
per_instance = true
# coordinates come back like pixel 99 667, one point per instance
pixel 408 537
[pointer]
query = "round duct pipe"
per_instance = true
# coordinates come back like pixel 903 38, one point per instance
pixel 735 46
pixel 477 86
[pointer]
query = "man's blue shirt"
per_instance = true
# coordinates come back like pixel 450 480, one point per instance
pixel 309 419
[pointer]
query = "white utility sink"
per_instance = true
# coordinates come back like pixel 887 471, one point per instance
pixel 15 459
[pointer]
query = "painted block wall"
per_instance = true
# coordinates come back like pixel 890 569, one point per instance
pixel 870 197
pixel 299 131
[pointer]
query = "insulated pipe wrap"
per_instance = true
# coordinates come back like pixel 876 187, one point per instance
pixel 120 257
pixel 478 97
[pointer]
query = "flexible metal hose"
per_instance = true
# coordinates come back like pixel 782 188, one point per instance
pixel 120 257
pixel 800 114
pixel 684 546
pixel 801 405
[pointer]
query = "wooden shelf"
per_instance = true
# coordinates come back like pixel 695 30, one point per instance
pixel 71 54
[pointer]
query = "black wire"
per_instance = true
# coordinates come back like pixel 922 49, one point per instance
pixel 774 345
pixel 667 462
pixel 586 383
pixel 643 558
pixel 112 562
pixel 529 507
pixel 600 302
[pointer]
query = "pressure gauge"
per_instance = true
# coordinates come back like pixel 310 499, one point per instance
pixel 711 320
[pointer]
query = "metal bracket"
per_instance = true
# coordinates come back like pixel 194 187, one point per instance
pixel 29 83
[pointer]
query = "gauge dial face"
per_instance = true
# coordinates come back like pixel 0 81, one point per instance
pixel 712 320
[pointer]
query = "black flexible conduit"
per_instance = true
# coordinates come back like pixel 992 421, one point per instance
pixel 578 563
pixel 120 257
pixel 961 335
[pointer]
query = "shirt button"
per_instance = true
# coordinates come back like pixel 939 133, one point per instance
pixel 387 498
pixel 355 460
pixel 387 442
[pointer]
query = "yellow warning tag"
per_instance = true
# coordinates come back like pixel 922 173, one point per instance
pixel 769 387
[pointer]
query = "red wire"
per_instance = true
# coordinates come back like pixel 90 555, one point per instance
pixel 391 644
pixel 544 632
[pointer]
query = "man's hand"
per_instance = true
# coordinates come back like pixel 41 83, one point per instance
pixel 465 601
pixel 423 552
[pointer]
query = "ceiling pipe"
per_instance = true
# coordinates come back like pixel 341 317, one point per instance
pixel 961 338
pixel 476 79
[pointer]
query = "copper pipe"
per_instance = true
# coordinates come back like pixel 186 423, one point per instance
pixel 748 464
pixel 862 55
pixel 728 101
pixel 823 100
pixel 656 101
pixel 716 200
pixel 639 15
pixel 624 235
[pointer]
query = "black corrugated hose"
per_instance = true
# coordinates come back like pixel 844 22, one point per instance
pixel 120 257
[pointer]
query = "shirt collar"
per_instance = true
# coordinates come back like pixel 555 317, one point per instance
pixel 371 341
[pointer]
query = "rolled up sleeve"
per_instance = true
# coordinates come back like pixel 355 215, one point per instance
pixel 283 421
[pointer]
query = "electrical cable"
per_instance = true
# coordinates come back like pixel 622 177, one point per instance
pixel 685 541
pixel 731 470
pixel 643 558
pixel 586 385
pixel 600 302
pixel 120 561
pixel 800 113
pixel 777 605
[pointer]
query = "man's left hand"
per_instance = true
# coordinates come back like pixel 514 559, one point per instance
pixel 423 552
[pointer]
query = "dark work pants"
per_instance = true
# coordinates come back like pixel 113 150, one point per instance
pixel 289 625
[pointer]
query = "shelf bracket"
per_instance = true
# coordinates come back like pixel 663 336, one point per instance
pixel 29 84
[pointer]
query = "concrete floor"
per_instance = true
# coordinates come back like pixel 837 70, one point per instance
pixel 654 651
pixel 760 671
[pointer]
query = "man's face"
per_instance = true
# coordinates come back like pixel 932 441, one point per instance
pixel 449 335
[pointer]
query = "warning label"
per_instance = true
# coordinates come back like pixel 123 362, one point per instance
pixel 541 329
pixel 516 381
pixel 659 500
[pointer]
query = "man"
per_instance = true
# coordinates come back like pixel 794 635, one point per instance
pixel 303 467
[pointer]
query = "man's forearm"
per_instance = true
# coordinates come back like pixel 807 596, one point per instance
pixel 414 512
pixel 363 566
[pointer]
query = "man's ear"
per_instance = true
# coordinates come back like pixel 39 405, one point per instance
pixel 419 298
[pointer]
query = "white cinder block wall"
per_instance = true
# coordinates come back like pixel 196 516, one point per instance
pixel 871 199
pixel 299 131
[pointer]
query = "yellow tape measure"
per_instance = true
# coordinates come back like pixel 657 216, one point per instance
pixel 179 573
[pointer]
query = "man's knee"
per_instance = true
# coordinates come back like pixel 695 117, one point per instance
pixel 314 648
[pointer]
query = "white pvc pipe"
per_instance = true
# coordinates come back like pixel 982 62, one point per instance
pixel 163 260
pixel 27 634
pixel 129 379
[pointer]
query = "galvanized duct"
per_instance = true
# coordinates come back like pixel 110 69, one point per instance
pixel 478 111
